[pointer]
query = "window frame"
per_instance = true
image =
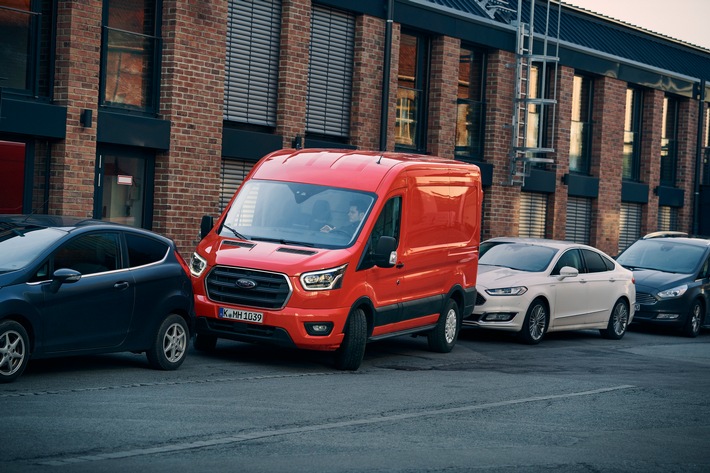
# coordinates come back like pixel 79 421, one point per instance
pixel 586 124
pixel 669 142
pixel 471 152
pixel 632 121
pixel 420 89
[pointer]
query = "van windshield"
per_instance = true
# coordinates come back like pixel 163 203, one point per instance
pixel 297 214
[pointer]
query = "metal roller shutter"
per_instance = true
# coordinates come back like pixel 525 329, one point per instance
pixel 579 220
pixel 233 173
pixel 667 219
pixel 533 214
pixel 252 62
pixel 330 72
pixel 629 224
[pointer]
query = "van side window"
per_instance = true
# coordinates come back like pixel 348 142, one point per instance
pixel 388 224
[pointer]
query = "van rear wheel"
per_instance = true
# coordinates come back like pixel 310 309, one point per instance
pixel 443 337
pixel 350 353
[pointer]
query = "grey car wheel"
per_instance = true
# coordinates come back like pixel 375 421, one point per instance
pixel 14 350
pixel 535 323
pixel 694 321
pixel 170 347
pixel 618 321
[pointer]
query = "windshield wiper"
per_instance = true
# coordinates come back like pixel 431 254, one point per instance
pixel 284 242
pixel 236 233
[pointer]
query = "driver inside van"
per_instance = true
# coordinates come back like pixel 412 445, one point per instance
pixel 355 214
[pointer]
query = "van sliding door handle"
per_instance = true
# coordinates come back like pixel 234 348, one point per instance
pixel 399 265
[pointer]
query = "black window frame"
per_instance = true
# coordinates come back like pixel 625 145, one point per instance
pixel 152 100
pixel 586 124
pixel 669 141
pixel 421 90
pixel 475 136
pixel 632 121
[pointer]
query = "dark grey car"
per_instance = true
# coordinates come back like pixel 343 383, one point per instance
pixel 73 286
pixel 672 281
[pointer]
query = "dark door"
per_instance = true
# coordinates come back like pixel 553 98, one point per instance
pixel 12 170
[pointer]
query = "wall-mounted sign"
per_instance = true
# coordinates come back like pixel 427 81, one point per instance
pixel 125 180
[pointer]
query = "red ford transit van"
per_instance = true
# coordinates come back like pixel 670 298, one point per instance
pixel 329 249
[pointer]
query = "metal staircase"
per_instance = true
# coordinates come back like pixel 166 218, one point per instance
pixel 535 100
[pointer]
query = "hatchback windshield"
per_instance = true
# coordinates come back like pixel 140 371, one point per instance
pixel 20 245
pixel 518 256
pixel 659 255
pixel 298 214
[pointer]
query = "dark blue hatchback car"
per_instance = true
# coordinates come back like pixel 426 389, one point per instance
pixel 72 286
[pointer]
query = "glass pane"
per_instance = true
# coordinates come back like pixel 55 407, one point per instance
pixel 15 47
pixel 469 129
pixel 123 190
pixel 406 119
pixel 628 159
pixel 576 147
pixel 129 69
pixel 135 16
pixel 407 61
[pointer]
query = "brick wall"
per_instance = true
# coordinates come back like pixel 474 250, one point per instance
pixel 650 162
pixel 192 91
pixel 557 203
pixel 443 90
pixel 606 161
pixel 76 86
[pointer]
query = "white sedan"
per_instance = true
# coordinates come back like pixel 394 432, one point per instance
pixel 534 286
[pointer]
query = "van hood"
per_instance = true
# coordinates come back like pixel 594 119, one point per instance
pixel 268 256
pixel 649 280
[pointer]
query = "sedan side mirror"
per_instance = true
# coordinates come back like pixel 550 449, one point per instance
pixel 568 272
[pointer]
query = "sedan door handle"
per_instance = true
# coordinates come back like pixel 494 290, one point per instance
pixel 120 285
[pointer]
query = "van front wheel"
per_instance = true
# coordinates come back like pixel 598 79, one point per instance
pixel 443 337
pixel 350 353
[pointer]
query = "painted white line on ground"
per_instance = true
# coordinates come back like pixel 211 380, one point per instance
pixel 313 428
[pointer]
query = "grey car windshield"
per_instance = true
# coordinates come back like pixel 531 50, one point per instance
pixel 523 257
pixel 669 257
pixel 19 245
pixel 297 214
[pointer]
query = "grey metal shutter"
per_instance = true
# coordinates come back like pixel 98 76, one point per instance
pixel 579 220
pixel 233 173
pixel 667 218
pixel 330 72
pixel 629 224
pixel 252 62
pixel 533 214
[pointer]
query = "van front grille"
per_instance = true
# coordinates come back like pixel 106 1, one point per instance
pixel 247 287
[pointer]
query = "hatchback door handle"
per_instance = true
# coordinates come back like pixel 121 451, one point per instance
pixel 120 285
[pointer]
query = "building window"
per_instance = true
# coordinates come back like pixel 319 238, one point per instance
pixel 706 149
pixel 252 61
pixel 410 122
pixel 579 220
pixel 26 46
pixel 233 173
pixel 533 214
pixel 580 143
pixel 330 72
pixel 131 54
pixel 629 224
pixel 669 144
pixel 667 219
pixel 632 135
pixel 470 121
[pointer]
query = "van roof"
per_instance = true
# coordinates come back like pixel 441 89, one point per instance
pixel 355 169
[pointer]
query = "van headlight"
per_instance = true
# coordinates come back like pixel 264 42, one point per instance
pixel 197 265
pixel 507 291
pixel 673 292
pixel 323 280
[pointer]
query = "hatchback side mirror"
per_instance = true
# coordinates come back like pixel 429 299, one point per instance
pixel 64 276
pixel 206 225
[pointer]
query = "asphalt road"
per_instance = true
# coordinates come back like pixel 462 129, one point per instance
pixel 575 403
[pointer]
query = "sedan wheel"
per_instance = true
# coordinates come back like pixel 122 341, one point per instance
pixel 170 347
pixel 535 324
pixel 695 319
pixel 618 321
pixel 14 350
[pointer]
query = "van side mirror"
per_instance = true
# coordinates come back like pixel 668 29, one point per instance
pixel 385 255
pixel 206 225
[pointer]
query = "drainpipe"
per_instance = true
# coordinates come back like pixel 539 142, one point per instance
pixel 384 116
pixel 699 158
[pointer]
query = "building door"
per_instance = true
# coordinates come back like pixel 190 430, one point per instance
pixel 124 184
pixel 12 170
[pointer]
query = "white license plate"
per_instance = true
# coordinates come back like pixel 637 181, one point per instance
pixel 245 315
pixel 637 307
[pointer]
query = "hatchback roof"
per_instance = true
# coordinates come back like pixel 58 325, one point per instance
pixel 60 221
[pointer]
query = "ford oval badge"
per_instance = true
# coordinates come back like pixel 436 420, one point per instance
pixel 246 283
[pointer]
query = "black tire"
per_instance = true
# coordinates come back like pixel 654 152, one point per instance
pixel 205 343
pixel 14 350
pixel 694 320
pixel 170 346
pixel 537 320
pixel 618 322
pixel 350 353
pixel 443 337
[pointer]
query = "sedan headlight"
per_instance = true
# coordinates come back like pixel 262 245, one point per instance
pixel 197 265
pixel 673 292
pixel 323 280
pixel 507 291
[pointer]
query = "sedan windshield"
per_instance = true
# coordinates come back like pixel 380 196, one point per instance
pixel 20 245
pixel 522 257
pixel 669 257
pixel 297 214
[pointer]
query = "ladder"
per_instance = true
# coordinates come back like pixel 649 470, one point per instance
pixel 535 101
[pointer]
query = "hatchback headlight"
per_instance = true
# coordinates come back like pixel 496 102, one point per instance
pixel 323 280
pixel 197 265
pixel 507 291
pixel 673 292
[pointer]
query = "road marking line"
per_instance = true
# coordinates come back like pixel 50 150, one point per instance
pixel 313 428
